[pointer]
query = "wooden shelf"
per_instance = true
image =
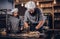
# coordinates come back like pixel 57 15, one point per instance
pixel 47 10
pixel 45 1
pixel 57 9
pixel 57 12
pixel 46 7
pixel 49 7
pixel 56 29
pixel 56 5
pixel 57 19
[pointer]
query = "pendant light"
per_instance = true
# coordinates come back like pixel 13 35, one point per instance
pixel 22 4
pixel 37 3
pixel 54 1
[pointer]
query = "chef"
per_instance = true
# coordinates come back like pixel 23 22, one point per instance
pixel 14 21
pixel 33 17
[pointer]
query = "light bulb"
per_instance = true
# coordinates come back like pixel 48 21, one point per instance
pixel 37 2
pixel 22 4
pixel 54 1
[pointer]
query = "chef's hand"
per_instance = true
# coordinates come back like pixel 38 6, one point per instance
pixel 21 29
pixel 37 27
pixel 40 24
pixel 26 26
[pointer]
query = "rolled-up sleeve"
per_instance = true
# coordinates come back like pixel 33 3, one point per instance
pixel 41 16
pixel 25 16
pixel 8 22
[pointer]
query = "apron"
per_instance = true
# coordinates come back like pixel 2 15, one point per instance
pixel 14 24
pixel 33 25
